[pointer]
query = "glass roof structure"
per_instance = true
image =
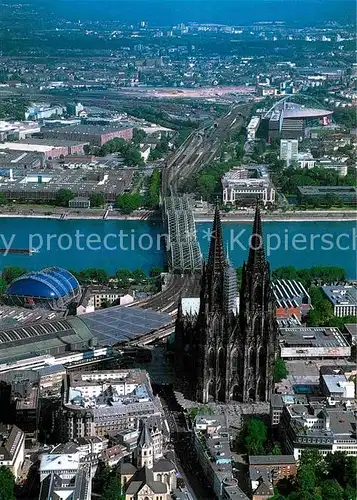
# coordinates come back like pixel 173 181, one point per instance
pixel 50 283
pixel 119 324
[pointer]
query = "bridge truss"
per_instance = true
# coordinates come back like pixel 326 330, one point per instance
pixel 184 252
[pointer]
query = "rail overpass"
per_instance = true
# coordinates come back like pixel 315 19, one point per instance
pixel 183 251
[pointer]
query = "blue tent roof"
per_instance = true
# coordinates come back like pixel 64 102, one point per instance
pixel 50 283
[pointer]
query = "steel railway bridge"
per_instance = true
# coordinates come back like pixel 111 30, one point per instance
pixel 183 250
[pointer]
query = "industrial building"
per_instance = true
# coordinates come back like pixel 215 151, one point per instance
pixel 313 342
pixel 94 134
pixel 343 299
pixel 19 161
pixel 42 187
pixel 346 194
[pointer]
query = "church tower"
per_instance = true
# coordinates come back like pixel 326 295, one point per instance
pixel 145 448
pixel 257 322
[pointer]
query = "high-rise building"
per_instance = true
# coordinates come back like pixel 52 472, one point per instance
pixel 222 356
pixel 289 150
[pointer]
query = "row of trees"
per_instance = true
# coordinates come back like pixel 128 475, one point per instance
pixel 323 274
pixel 288 179
pixel 128 202
pixel 129 152
pixel 332 477
pixel 322 312
pixel 124 277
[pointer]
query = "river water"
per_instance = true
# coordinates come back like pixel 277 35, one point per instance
pixel 79 244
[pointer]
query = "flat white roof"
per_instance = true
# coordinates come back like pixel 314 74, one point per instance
pixel 59 462
pixel 37 148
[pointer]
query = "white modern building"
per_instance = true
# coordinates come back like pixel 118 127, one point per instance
pixel 343 299
pixel 313 342
pixel 289 149
pixel 238 189
pixel 252 128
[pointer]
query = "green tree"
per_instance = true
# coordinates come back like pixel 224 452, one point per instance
pixel 7 484
pixel 10 273
pixel 139 136
pixel 3 200
pixel 306 478
pixel 331 490
pixel 63 197
pixel 97 200
pixel 155 272
pixel 139 276
pixel 280 370
pixel 255 434
pixel 276 450
pixel 128 202
pixel 124 277
pixel 239 275
pixel 112 489
pixel 3 286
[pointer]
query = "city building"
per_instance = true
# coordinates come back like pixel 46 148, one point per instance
pixel 343 299
pixel 292 299
pixel 289 150
pixel 96 135
pixel 305 160
pixel 252 128
pixel 240 190
pixel 41 111
pixel 94 403
pixel 346 194
pixel 336 388
pixel 212 446
pixel 315 426
pixel 66 475
pixel 266 470
pixel 12 448
pixel 351 333
pixel 313 342
pixel 221 356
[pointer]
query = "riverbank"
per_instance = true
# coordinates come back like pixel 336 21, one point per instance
pixel 298 216
pixel 147 215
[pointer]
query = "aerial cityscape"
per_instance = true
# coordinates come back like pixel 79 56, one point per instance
pixel 178 265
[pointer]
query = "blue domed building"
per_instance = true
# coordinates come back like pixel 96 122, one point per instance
pixel 53 287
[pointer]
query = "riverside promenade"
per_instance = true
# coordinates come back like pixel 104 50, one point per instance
pixel 200 216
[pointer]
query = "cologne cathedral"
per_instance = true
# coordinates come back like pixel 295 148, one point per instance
pixel 221 354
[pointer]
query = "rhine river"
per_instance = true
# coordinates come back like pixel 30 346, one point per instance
pixel 113 244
